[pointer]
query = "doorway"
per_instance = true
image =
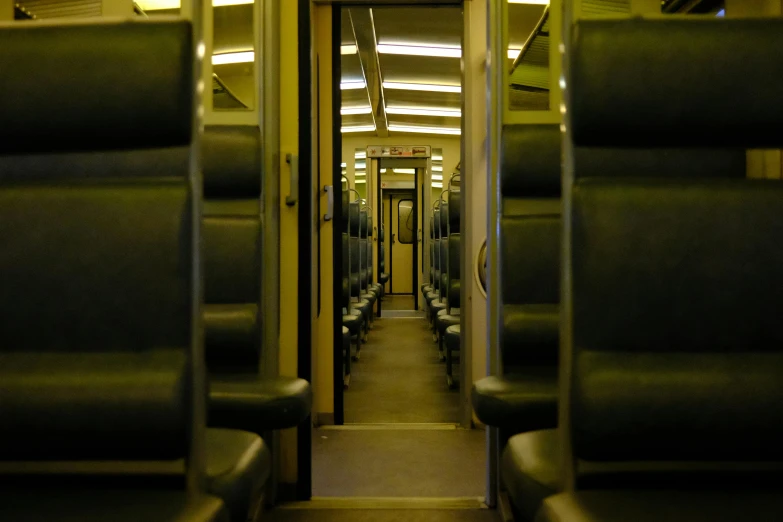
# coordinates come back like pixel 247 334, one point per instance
pixel 400 218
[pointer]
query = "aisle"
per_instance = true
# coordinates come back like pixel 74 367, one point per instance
pixel 399 378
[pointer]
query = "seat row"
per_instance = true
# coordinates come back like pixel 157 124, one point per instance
pixel 651 389
pixel 442 291
pixel 360 292
pixel 131 307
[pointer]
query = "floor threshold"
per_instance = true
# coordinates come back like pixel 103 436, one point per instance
pixel 393 426
pixel 442 503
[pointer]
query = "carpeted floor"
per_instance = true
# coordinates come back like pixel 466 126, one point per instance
pixel 398 463
pixel 382 515
pixel 397 302
pixel 399 378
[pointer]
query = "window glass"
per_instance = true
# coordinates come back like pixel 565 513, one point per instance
pixel 405 232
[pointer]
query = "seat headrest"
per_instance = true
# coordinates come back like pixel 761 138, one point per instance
pixel 354 218
pixel 530 161
pixel 231 161
pixel 454 210
pixel 106 85
pixel 675 83
pixel 444 219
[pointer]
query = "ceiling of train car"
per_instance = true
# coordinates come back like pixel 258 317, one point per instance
pixel 401 67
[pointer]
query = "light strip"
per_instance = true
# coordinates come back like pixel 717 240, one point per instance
pixel 360 181
pixel 426 130
pixel 420 50
pixel 240 57
pixel 437 169
pixel 421 87
pixel 425 111
pixel 343 165
pixel 358 128
pixel 348 111
pixel 513 53
pixel 437 185
pixel 360 155
pixel 405 171
pixel 437 177
pixel 348 49
pixel 344 86
pixel 529 2
pixel 360 166
pixel 437 158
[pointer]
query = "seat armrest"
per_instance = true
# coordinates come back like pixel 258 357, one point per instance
pixel 518 403
pixel 257 404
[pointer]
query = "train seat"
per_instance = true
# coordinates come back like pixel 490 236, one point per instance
pixel 346 354
pixel 669 277
pixel 524 397
pixel 450 316
pixel 451 340
pixel 240 397
pixel 238 466
pixel 97 268
pixel 64 503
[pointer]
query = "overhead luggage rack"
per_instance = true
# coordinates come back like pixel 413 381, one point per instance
pixel 529 76
pixel 223 98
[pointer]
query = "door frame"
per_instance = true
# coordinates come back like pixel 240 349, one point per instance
pixel 305 125
pixel 415 251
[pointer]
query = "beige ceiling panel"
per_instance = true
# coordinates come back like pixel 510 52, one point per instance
pixel 522 20
pixel 420 69
pixel 357 119
pixel 431 26
pixel 398 98
pixel 233 28
pixel 350 68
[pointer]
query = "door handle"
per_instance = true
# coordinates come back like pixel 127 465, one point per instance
pixel 329 189
pixel 293 192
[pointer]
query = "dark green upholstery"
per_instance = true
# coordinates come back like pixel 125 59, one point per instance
pixel 153 109
pixel 239 397
pixel 524 397
pixel 656 505
pixel 72 504
pixel 708 323
pixel 673 95
pixel 97 355
pixel 683 342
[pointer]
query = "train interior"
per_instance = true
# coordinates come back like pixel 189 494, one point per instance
pixel 471 260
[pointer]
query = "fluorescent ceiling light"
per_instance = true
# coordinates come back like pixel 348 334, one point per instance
pixel 361 166
pixel 221 3
pixel 348 111
pixel 344 86
pixel 343 165
pixel 437 158
pixel 437 169
pixel 383 171
pixel 360 181
pixel 438 177
pixel 425 111
pixel 513 53
pixel 360 155
pixel 437 185
pixel 348 49
pixel 240 57
pixel 358 128
pixel 420 50
pixel 421 87
pixel 425 130
pixel 529 2
pixel 405 171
